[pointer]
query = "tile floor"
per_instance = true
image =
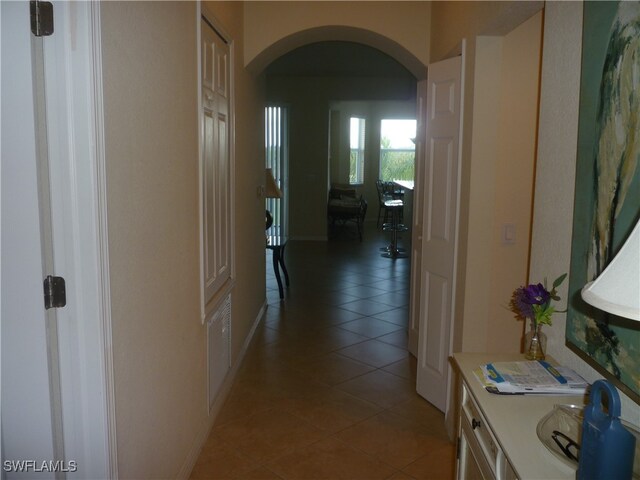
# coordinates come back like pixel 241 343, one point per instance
pixel 327 388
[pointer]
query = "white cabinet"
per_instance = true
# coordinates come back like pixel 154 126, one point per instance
pixel 480 452
pixel 497 433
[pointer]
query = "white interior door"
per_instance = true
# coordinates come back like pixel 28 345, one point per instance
pixel 416 227
pixel 440 229
pixel 31 410
pixel 57 393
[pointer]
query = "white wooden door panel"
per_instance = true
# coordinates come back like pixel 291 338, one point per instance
pixel 216 171
pixel 207 59
pixel 208 204
pixel 440 221
pixel 435 300
pixel 223 244
pixel 222 72
pixel 439 214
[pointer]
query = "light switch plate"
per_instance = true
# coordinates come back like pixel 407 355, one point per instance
pixel 508 234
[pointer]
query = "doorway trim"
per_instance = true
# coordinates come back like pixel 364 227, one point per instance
pixel 78 188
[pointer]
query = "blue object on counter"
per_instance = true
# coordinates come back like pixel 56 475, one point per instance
pixel 607 447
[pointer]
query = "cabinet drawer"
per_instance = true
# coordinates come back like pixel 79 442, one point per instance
pixel 473 463
pixel 480 428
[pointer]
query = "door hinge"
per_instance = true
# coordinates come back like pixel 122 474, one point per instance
pixel 41 18
pixel 55 293
pixel 458 449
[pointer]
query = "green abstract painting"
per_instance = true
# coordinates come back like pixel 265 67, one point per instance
pixel 607 198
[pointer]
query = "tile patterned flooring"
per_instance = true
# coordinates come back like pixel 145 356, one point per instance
pixel 327 388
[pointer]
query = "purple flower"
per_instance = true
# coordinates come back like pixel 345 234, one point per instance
pixel 520 305
pixel 536 295
pixel 534 302
pixel 524 298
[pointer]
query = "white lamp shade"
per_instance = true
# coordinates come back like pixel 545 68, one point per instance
pixel 617 289
pixel 271 187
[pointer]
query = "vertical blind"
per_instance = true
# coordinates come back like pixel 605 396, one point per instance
pixel 275 158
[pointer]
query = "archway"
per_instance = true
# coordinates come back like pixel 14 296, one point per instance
pixel 339 33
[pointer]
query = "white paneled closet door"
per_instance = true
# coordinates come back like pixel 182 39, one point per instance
pixel 215 164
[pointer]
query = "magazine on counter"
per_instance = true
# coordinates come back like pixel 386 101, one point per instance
pixel 530 377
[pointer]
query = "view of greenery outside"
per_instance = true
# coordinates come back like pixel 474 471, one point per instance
pixel 357 145
pixel 353 166
pixel 396 163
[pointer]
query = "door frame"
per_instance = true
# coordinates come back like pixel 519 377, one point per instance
pixel 77 163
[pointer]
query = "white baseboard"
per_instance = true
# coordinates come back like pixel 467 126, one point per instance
pixel 201 438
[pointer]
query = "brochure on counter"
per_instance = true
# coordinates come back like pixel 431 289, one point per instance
pixel 530 377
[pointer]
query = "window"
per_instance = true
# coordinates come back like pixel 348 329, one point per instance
pixel 356 158
pixel 276 158
pixel 397 149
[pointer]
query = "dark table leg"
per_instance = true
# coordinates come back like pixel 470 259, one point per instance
pixel 278 262
pixel 276 270
pixel 282 265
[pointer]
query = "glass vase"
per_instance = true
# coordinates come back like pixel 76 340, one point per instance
pixel 535 343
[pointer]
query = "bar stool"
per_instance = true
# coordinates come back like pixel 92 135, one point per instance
pixel 382 197
pixel 395 207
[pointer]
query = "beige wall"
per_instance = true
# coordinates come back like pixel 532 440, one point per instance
pixel 481 194
pixel 151 135
pixel 276 29
pixel 152 172
pixel 515 160
pixel 555 176
pixel 466 19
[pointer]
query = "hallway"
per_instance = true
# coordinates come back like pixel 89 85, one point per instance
pixel 327 388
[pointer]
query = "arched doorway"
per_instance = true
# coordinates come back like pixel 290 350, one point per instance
pixel 312 77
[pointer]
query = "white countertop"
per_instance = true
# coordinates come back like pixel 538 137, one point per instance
pixel 514 418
